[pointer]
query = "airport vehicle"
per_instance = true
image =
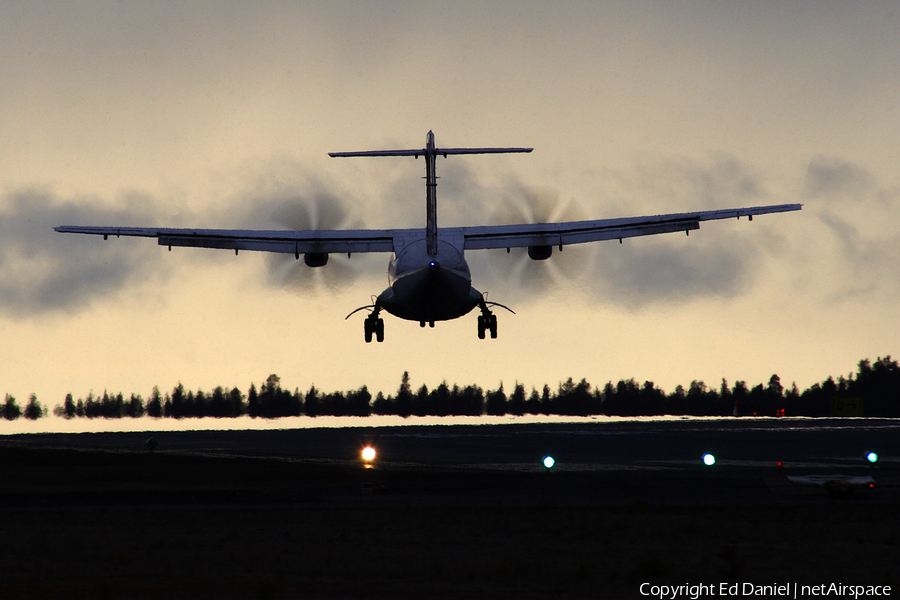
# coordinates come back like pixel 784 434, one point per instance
pixel 429 279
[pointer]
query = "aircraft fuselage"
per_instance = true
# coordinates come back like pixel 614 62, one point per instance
pixel 429 286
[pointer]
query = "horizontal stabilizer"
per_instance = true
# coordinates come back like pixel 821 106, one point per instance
pixel 377 153
pixel 434 151
pixel 446 151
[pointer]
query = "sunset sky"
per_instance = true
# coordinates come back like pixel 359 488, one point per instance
pixel 221 114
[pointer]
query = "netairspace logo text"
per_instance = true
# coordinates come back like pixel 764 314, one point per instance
pixel 774 590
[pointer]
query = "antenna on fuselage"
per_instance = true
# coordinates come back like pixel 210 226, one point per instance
pixel 430 152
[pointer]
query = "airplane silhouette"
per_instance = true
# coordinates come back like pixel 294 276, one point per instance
pixel 428 274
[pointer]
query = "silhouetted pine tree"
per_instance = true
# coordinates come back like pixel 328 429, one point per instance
pixel 67 410
pixel 517 400
pixel 419 406
pixel 178 402
pixel 237 406
pixel 471 401
pixel 134 408
pixel 154 405
pixel 440 400
pixel 496 403
pixel 253 401
pixel 574 399
pixel 383 406
pixel 10 409
pixel 404 399
pixel 33 410
pixel 533 404
pixel 359 402
pixel 333 404
pixel 311 402
pixel 878 385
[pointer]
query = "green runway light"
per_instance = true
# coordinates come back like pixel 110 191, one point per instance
pixel 709 460
pixel 872 457
pixel 548 462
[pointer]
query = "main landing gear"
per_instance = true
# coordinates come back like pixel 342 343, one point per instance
pixel 487 321
pixel 374 325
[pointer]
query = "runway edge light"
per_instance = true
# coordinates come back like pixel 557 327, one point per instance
pixel 709 460
pixel 872 457
pixel 548 462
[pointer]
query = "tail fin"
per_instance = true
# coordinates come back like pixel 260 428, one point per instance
pixel 430 151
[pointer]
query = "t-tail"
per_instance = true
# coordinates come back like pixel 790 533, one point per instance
pixel 430 152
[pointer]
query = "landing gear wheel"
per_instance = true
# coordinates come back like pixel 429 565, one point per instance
pixel 493 326
pixel 481 327
pixel 374 326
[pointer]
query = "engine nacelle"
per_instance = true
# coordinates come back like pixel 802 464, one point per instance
pixel 315 259
pixel 539 252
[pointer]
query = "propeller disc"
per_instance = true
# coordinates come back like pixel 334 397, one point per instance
pixel 539 205
pixel 319 211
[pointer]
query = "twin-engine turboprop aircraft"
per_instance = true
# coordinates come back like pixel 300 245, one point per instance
pixel 428 275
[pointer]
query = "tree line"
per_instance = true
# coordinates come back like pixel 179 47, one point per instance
pixel 874 390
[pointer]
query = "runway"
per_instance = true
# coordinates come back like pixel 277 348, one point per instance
pixel 446 512
pixel 597 462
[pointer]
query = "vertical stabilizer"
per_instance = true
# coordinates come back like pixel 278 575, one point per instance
pixel 430 196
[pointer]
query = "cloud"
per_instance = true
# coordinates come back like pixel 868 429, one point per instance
pixel 43 271
pixel 665 270
pixel 641 271
pixel 858 214
pixel 870 263
pixel 834 179
pixel 722 181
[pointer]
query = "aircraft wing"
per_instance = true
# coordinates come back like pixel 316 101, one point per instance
pixel 383 240
pixel 290 242
pixel 578 232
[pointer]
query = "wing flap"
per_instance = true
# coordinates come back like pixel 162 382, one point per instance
pixel 559 234
pixel 292 242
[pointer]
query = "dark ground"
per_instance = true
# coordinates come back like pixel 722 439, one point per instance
pixel 447 511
